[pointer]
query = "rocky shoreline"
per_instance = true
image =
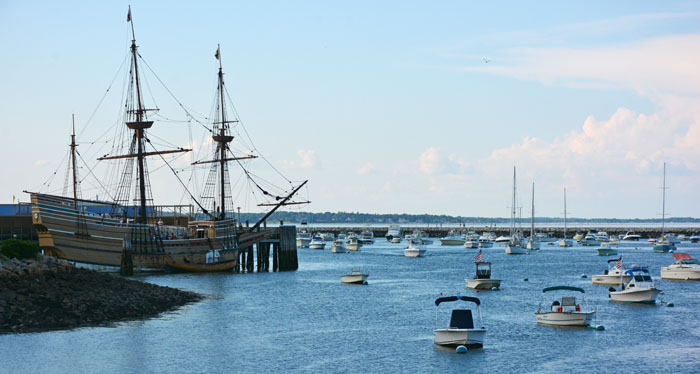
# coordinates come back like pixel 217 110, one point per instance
pixel 51 294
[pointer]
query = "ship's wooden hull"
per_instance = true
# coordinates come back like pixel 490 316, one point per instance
pixel 92 239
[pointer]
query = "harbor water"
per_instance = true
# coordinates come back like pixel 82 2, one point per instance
pixel 307 321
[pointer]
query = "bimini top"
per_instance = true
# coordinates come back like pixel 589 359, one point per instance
pixel 615 260
pixel 682 256
pixel 455 298
pixel 643 270
pixel 568 288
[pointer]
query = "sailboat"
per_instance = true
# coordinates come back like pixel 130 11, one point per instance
pixel 664 244
pixel 565 242
pixel 514 245
pixel 129 229
pixel 533 243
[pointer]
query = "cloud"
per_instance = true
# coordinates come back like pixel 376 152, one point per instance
pixel 430 161
pixel 307 159
pixel 366 168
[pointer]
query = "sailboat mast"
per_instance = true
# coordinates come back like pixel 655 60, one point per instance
pixel 75 174
pixel 222 143
pixel 564 212
pixel 532 220
pixel 663 202
pixel 139 126
pixel 512 212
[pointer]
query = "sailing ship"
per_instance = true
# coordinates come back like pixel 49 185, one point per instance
pixel 515 243
pixel 128 229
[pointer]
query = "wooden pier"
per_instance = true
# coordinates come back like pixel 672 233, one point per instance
pixel 280 244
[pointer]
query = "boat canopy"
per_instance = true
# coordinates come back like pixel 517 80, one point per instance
pixel 568 288
pixel 631 271
pixel 455 298
pixel 615 260
pixel 682 256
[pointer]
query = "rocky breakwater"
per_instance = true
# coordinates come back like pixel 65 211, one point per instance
pixel 51 294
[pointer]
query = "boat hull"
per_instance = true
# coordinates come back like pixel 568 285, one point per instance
pixel 354 278
pixel 483 284
pixel 411 252
pixel 396 240
pixel 515 250
pixel 354 247
pixel 606 252
pixel 565 318
pixel 610 279
pixel 338 249
pixel 662 248
pixel 451 242
pixel 317 246
pixel 303 243
pixel 676 273
pixel 566 243
pixel 470 338
pixel 645 296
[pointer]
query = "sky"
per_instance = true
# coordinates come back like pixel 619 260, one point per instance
pixel 385 107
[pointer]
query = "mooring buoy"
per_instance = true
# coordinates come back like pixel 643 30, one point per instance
pixel 461 349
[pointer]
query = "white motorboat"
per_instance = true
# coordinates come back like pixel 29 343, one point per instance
pixel 414 249
pixel 366 237
pixel 482 278
pixel 502 239
pixel 631 236
pixel 352 243
pixel 611 275
pixel 602 236
pixel 339 246
pixel 564 312
pixel 471 240
pixel 393 232
pixel 639 289
pixel 485 241
pixel 589 240
pixel 420 237
pixel 327 236
pixel 606 250
pixel 460 330
pixel 317 243
pixel 303 239
pixel 694 238
pixel 396 239
pixel 356 276
pixel 452 238
pixel 684 268
pixel 566 242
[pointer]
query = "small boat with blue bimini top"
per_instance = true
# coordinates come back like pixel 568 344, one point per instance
pixel 639 289
pixel 461 329
pixel 566 311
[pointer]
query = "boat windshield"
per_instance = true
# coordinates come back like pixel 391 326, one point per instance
pixel 642 278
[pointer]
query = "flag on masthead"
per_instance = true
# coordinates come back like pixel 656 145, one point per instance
pixel 128 15
pixel 217 55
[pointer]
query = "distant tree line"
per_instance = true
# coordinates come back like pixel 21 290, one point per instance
pixel 357 217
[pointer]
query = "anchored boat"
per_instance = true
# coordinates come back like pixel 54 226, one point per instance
pixel 461 329
pixel 565 311
pixel 612 274
pixel 639 289
pixel 482 278
pixel 684 268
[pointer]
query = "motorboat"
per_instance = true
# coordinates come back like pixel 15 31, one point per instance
pixel 639 289
pixel 452 238
pixel 460 330
pixel 673 238
pixel 502 239
pixel 339 246
pixel 566 242
pixel 356 276
pixel 485 241
pixel 515 245
pixel 663 245
pixel 420 237
pixel 303 239
pixel 396 239
pixel 694 238
pixel 394 231
pixel 589 240
pixel 544 237
pixel 471 240
pixel 631 236
pixel 578 236
pixel 533 244
pixel 565 311
pixel 482 278
pixel 684 268
pixel 327 236
pixel 352 243
pixel 366 237
pixel 602 236
pixel 614 240
pixel 414 249
pixel 606 250
pixel 611 276
pixel 317 243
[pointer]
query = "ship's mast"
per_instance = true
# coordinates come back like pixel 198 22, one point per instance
pixel 139 126
pixel 222 139
pixel 663 203
pixel 565 213
pixel 75 170
pixel 512 213
pixel 532 220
